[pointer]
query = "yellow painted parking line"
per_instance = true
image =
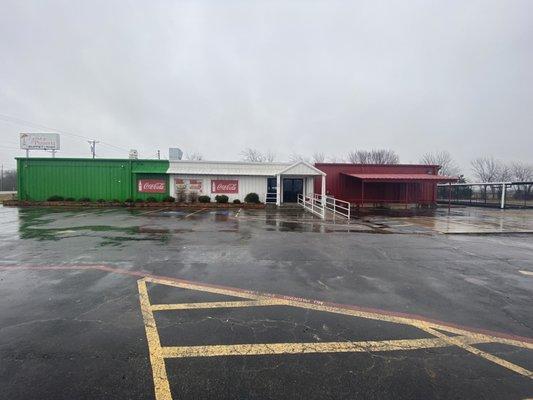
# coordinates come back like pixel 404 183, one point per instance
pixel 497 360
pixel 158 353
pixel 159 372
pixel 301 348
pixel 482 338
pixel 413 322
pixel 320 306
pixel 203 288
pixel 530 273
pixel 214 304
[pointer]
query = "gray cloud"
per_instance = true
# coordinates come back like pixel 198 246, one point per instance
pixel 297 76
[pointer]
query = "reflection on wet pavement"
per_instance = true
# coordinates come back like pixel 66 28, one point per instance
pixel 458 220
pixel 116 226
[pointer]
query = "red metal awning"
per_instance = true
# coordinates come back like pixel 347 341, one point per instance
pixel 401 177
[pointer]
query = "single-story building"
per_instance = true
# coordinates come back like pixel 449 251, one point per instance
pixel 122 179
pixel 236 179
pixel 372 184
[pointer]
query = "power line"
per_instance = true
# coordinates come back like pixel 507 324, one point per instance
pixel 9 147
pixel 20 121
pixel 10 141
pixel 92 143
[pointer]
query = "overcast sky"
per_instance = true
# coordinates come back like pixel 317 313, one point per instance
pixel 289 76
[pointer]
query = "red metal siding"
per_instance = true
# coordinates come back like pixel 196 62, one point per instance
pixel 350 189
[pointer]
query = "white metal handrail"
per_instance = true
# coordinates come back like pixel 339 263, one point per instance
pixel 313 205
pixel 271 197
pixel 337 206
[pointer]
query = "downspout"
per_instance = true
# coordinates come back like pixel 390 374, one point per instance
pixel 278 190
pixel 449 196
pixel 131 180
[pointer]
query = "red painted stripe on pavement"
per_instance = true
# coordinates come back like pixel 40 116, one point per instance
pixel 144 274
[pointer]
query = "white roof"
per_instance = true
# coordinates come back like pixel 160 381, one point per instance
pixel 241 168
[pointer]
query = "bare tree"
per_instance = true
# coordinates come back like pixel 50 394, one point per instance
pixel 8 181
pixel 385 156
pixel 294 158
pixel 374 156
pixel 444 159
pixel 335 159
pixel 252 155
pixel 522 172
pixel 359 157
pixel 486 169
pixel 270 156
pixel 318 157
pixel 505 173
pixel 194 156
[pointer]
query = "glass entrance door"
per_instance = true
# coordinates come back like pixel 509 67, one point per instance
pixel 292 187
pixel 272 190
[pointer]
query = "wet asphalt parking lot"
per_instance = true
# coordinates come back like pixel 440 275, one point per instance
pixel 255 304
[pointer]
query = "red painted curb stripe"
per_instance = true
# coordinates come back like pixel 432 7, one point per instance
pixel 144 274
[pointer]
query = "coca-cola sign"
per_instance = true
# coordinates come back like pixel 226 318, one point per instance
pixel 224 186
pixel 152 186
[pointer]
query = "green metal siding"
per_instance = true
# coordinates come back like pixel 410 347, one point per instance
pixel 148 169
pixel 144 196
pixel 108 179
pixel 150 166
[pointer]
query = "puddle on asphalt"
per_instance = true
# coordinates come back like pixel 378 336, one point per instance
pixel 170 214
pixel 56 224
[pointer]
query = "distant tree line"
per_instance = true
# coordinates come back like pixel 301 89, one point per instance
pixel 484 169
pixel 374 156
pixel 8 180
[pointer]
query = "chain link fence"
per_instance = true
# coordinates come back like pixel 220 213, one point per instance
pixel 487 194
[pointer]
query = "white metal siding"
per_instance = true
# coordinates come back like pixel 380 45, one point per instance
pixel 301 169
pixel 247 184
pixel 225 168
pixel 240 168
pixel 309 185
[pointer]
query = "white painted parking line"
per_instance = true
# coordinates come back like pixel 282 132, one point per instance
pixel 152 211
pixel 195 212
pixel 93 212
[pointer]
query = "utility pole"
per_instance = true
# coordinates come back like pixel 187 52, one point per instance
pixel 92 143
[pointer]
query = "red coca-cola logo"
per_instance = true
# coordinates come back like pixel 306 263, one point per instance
pixel 224 186
pixel 152 186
